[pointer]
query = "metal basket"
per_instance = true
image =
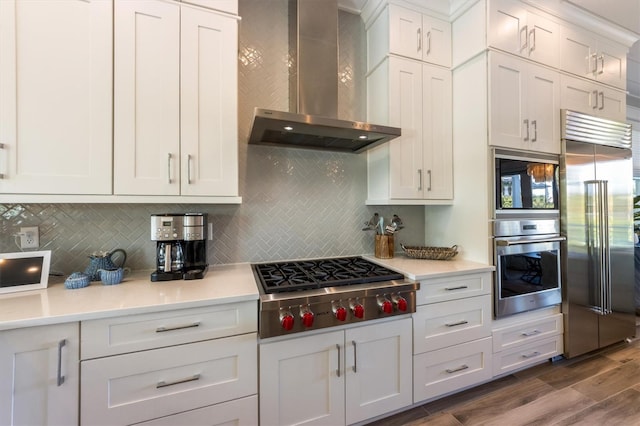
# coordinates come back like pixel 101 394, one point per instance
pixel 432 253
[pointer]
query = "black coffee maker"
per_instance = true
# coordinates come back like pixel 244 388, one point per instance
pixel 181 246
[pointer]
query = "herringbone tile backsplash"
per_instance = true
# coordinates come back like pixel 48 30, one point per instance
pixel 296 203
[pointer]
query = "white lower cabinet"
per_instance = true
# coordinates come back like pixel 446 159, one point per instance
pixel 336 378
pixel 454 368
pixel 452 345
pixel 526 339
pixel 39 375
pixel 186 366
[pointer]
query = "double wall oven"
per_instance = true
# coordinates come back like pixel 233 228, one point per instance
pixel 526 232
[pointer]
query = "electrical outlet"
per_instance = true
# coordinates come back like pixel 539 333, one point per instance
pixel 29 237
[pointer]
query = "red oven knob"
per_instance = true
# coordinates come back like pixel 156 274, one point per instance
pixel 358 310
pixel 385 305
pixel 307 316
pixel 401 303
pixel 286 320
pixel 340 312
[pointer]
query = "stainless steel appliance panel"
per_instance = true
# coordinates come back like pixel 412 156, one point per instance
pixel 596 218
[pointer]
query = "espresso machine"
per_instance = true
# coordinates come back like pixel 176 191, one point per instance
pixel 181 246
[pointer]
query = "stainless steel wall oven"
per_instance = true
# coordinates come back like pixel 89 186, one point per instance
pixel 527 260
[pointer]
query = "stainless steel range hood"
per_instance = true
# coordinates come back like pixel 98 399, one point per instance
pixel 313 90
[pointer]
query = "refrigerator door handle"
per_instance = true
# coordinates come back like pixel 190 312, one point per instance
pixel 595 242
pixel 606 249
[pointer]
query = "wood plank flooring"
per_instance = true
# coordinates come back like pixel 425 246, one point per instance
pixel 601 388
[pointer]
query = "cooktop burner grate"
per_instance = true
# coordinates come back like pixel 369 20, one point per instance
pixel 311 274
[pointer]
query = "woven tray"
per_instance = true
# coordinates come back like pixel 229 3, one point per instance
pixel 432 253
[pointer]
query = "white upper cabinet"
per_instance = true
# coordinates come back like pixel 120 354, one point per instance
pixel 589 97
pixel 516 30
pixel 147 98
pixel 587 55
pixel 524 105
pixel 55 97
pixel 175 124
pixel 417 167
pixel 409 33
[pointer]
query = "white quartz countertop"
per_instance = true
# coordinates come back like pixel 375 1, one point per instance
pixel 419 269
pixel 134 295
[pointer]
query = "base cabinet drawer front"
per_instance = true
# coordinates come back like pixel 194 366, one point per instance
pixel 130 388
pixel 239 412
pixel 526 355
pixel 450 323
pixel 125 334
pixel 508 337
pixel 451 369
pixel 456 287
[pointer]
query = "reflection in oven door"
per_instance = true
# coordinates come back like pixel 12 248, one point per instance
pixel 527 275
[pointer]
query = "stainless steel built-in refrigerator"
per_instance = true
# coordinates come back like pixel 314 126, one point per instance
pixel 596 208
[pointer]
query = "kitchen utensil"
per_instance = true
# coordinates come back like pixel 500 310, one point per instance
pixel 103 260
pixel 397 222
pixel 372 224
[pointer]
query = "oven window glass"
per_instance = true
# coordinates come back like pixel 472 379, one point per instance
pixel 529 272
pixel 526 185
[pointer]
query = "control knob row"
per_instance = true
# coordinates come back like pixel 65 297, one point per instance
pixel 340 312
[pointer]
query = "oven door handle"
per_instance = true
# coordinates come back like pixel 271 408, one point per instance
pixel 506 243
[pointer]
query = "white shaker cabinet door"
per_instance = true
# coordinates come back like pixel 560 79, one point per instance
pixel 39 375
pixel 55 97
pixel 378 369
pixel 146 98
pixel 209 107
pixel 302 381
pixel 405 111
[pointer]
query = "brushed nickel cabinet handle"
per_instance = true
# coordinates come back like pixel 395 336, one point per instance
pixel 428 42
pixel 531 355
pixel 601 58
pixel 454 324
pixel 338 370
pixel 177 327
pixel 419 179
pixel 429 176
pixel 60 379
pixel 163 384
pixel 2 176
pixel 526 123
pixel 189 169
pixel 595 95
pixel 455 370
pixel 532 46
pixel 169 168
pixel 534 123
pixel 524 30
pixel 462 287
pixel 530 333
pixel 355 356
pixel 419 34
pixel 602 101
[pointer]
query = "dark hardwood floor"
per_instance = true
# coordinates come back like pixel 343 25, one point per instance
pixel 601 388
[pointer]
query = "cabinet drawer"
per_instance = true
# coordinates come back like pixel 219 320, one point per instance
pixel 457 287
pixel 111 336
pixel 240 412
pixel 447 370
pixel 130 388
pixel 449 323
pixel 526 355
pixel 508 337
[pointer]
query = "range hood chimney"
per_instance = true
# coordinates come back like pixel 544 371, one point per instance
pixel 313 91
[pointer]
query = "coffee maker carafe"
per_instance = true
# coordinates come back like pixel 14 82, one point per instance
pixel 181 246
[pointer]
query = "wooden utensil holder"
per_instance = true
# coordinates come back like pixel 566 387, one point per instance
pixel 384 246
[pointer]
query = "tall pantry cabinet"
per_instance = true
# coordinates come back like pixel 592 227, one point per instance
pixel 55 97
pixel 175 100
